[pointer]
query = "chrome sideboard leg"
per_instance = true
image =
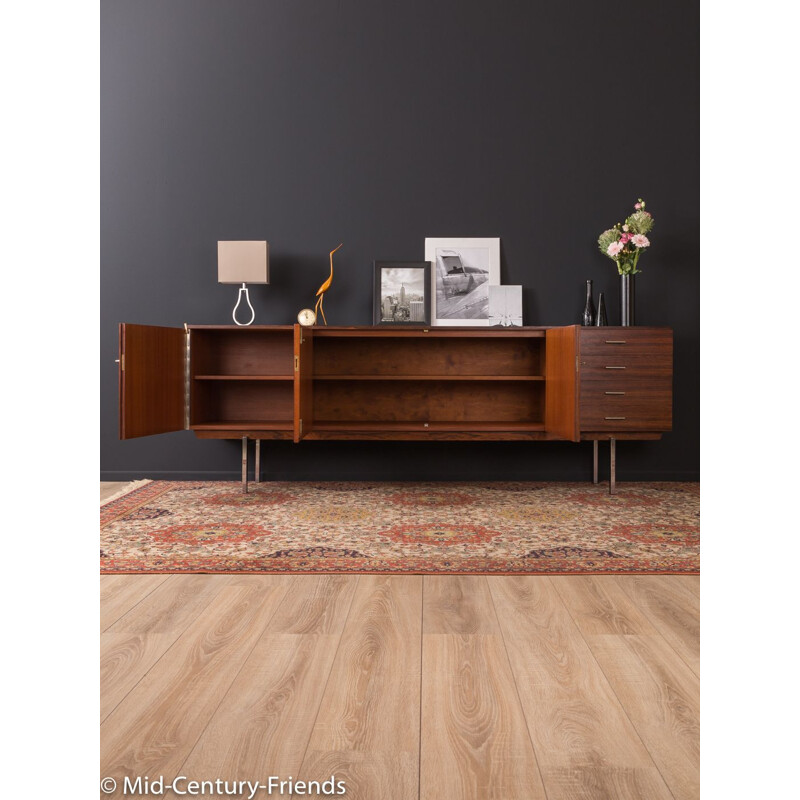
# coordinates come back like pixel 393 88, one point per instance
pixel 257 476
pixel 244 464
pixel 612 478
pixel 595 449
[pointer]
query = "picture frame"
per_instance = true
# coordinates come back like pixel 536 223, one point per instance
pixel 462 271
pixel 505 306
pixel 401 293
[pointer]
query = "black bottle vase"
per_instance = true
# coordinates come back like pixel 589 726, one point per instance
pixel 626 300
pixel 602 317
pixel 588 310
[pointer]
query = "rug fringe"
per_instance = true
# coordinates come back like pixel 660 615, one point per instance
pixel 125 490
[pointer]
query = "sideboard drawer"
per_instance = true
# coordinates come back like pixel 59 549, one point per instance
pixel 626 406
pixel 628 368
pixel 609 343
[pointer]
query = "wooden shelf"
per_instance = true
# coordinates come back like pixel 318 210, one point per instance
pixel 242 424
pixel 428 377
pixel 433 427
pixel 244 377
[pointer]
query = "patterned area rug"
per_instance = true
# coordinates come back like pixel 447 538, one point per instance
pixel 428 528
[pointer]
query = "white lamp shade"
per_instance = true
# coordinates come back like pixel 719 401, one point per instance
pixel 242 262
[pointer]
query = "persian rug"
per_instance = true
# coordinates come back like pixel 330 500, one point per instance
pixel 410 528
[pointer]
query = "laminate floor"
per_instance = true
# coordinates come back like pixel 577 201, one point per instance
pixel 405 687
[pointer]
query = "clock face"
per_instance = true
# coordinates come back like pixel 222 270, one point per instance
pixel 306 317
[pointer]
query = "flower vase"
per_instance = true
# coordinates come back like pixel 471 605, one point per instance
pixel 626 299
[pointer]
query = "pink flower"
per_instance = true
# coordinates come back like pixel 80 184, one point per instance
pixel 615 248
pixel 640 240
pixel 625 238
pixel 625 228
pixel 637 206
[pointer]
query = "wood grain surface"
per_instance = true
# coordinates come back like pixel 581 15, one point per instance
pixel 151 380
pixel 118 594
pixel 476 738
pixel 160 721
pixel 660 694
pixel 674 610
pixel 561 402
pixel 171 606
pixel 367 729
pixel 583 739
pixel 599 605
pixel 265 722
pixel 407 687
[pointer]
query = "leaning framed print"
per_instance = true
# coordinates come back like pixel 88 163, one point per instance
pixel 402 293
pixel 463 270
pixel 505 306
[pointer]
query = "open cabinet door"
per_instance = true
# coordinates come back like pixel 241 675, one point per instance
pixel 303 386
pixel 561 382
pixel 151 380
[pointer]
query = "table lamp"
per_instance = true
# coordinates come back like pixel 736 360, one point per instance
pixel 243 262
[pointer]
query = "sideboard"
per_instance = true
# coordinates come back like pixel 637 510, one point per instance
pixel 560 383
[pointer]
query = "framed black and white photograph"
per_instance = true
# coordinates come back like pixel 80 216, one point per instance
pixel 402 293
pixel 463 271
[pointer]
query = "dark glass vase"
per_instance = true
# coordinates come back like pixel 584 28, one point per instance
pixel 602 317
pixel 626 300
pixel 588 310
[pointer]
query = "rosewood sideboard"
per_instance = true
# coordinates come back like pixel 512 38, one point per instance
pixel 267 382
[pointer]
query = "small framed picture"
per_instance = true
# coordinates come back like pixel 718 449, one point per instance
pixel 402 293
pixel 505 306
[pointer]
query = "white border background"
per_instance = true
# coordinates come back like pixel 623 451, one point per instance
pixel 49 63
pixel 749 435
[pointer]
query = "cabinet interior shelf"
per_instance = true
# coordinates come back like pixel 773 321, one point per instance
pixel 244 377
pixel 342 377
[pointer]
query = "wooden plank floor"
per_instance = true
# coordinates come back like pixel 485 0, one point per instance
pixel 406 687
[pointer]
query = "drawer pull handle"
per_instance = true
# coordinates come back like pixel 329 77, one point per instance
pixel 615 417
pixel 614 392
pixel 616 341
pixel 616 367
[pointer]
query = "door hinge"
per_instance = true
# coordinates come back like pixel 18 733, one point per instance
pixel 297 363
pixel 122 362
pixel 187 379
pixel 576 364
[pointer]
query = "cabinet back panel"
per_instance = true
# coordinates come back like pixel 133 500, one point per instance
pixel 221 401
pixel 434 356
pixel 242 352
pixel 428 401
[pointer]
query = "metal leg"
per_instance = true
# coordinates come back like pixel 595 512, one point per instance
pixel 244 464
pixel 612 478
pixel 258 461
pixel 595 449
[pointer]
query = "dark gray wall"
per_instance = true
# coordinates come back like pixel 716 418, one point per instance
pixel 376 123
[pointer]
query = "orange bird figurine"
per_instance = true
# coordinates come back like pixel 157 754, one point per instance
pixel 324 288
